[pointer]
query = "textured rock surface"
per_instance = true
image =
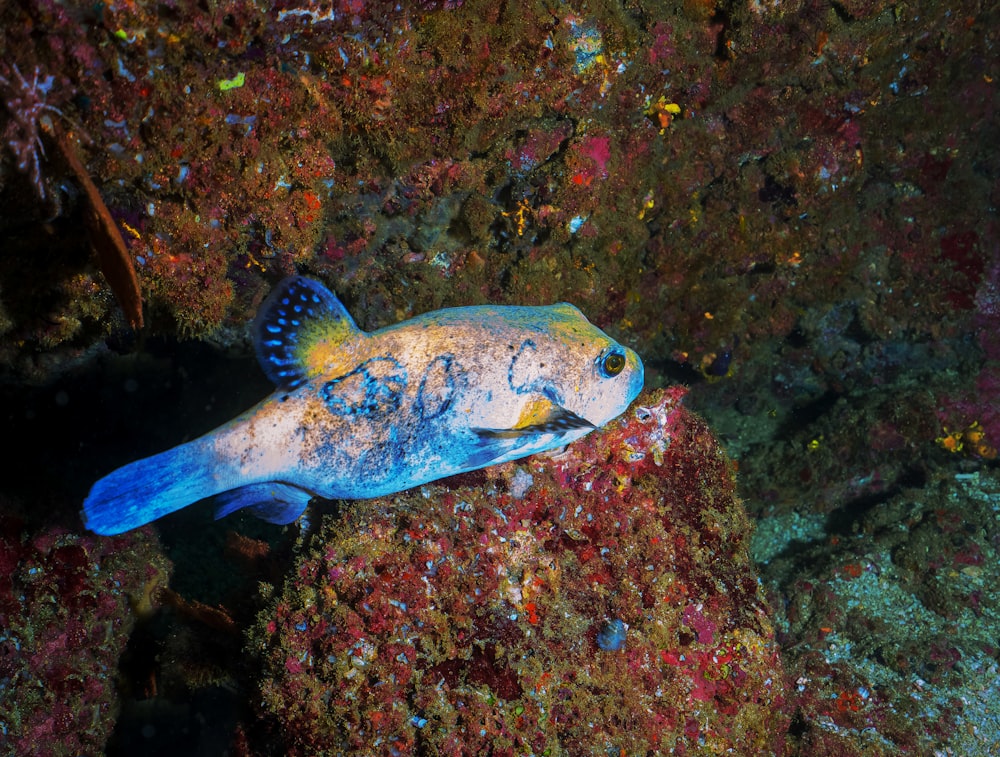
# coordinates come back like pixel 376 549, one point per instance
pixel 67 606
pixel 464 617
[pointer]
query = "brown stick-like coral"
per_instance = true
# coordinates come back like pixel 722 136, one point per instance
pixel 112 254
pixel 28 108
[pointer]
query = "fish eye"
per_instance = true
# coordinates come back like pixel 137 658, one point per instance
pixel 611 363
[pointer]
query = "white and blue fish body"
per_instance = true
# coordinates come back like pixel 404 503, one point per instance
pixel 359 415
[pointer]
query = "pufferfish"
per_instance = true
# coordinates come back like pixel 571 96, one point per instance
pixel 358 415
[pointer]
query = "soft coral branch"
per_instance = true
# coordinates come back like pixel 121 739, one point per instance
pixel 26 104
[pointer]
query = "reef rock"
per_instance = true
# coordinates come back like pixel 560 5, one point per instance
pixel 597 601
pixel 68 604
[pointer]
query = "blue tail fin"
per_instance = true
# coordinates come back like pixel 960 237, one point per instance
pixel 148 489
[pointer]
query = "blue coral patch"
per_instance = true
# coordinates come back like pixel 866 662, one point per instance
pixel 611 635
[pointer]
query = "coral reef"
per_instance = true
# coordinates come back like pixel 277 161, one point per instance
pixel 68 604
pixel 890 633
pixel 789 206
pixel 599 600
pixel 708 158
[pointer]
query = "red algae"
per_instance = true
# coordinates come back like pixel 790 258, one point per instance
pixel 464 617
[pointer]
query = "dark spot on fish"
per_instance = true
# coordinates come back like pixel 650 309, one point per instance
pixel 373 388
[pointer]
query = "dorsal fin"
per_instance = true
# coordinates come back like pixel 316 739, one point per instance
pixel 299 321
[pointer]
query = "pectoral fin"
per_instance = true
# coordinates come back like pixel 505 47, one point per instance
pixel 273 502
pixel 539 417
